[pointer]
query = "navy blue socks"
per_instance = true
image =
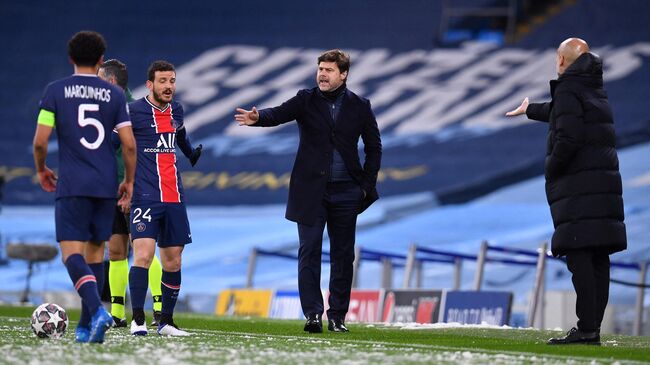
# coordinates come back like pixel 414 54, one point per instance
pixel 171 286
pixel 138 284
pixel 85 283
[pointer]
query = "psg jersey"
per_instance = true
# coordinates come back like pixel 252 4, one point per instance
pixel 156 175
pixel 86 109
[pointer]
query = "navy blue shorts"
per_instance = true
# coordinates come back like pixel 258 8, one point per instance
pixel 80 218
pixel 167 223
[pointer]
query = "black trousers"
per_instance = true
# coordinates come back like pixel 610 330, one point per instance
pixel 338 211
pixel 591 282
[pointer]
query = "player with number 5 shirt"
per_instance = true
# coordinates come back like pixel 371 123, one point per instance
pixel 84 110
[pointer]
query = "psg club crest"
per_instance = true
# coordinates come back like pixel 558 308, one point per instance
pixel 174 123
pixel 140 227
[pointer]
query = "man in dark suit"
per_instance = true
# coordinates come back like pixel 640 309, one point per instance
pixel 583 184
pixel 328 183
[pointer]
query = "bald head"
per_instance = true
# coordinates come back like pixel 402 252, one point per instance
pixel 568 52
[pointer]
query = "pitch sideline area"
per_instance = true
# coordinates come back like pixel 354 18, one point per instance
pixel 261 341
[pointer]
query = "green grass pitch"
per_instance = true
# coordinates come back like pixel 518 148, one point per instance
pixel 220 340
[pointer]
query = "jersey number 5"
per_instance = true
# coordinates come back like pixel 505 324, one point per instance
pixel 87 121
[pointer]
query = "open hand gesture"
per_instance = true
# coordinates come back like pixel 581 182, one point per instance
pixel 520 110
pixel 247 117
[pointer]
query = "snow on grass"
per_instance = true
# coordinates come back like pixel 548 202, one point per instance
pixel 210 346
pixel 239 349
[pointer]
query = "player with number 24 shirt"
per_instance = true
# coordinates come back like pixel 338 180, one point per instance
pixel 158 213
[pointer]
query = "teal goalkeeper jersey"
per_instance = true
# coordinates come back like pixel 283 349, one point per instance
pixel 118 151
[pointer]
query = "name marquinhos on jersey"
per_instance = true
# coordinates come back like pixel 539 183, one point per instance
pixel 87 92
pixel 166 144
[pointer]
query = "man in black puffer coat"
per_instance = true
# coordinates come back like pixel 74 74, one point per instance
pixel 583 184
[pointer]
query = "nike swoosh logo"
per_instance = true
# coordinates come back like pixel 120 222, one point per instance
pixel 153 125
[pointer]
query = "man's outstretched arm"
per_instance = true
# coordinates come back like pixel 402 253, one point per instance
pixel 535 111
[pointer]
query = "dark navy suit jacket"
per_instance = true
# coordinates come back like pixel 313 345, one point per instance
pixel 318 138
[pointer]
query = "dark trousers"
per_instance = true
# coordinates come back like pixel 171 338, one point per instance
pixel 338 210
pixel 591 281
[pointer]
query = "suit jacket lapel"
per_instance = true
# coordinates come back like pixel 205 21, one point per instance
pixel 346 107
pixel 322 107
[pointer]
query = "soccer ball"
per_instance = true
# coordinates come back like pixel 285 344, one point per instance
pixel 49 320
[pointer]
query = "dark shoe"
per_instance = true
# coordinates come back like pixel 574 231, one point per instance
pixel 314 324
pixel 156 319
pixel 119 322
pixel 576 336
pixel 337 325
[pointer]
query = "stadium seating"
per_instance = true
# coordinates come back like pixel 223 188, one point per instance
pixel 446 143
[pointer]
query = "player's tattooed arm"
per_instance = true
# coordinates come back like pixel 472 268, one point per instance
pixel 46 177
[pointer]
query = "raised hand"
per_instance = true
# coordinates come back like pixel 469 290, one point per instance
pixel 520 110
pixel 247 117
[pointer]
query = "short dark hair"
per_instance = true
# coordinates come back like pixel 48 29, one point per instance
pixel 341 58
pixel 159 65
pixel 86 48
pixel 117 69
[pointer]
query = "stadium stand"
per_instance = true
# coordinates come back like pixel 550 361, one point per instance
pixel 440 109
pixel 455 171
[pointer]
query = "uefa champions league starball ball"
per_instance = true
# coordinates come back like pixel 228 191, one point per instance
pixel 49 320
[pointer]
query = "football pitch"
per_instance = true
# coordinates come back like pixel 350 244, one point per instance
pixel 220 340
